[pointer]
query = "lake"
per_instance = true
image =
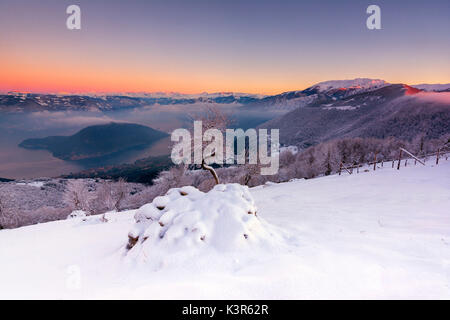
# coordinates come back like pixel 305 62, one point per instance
pixel 19 163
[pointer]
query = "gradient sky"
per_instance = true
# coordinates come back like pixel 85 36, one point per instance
pixel 192 46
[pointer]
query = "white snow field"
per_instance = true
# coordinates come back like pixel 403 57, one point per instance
pixel 381 235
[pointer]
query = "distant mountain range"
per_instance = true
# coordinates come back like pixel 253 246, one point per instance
pixel 433 87
pixel 360 107
pixel 323 91
pixel 15 102
pixel 381 111
pixel 328 110
pixel 96 141
pixel 31 102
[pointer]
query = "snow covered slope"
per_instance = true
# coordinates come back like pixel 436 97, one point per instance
pixel 383 234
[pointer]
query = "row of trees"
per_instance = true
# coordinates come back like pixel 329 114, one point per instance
pixel 79 194
pixel 322 159
pixel 13 217
pixel 108 197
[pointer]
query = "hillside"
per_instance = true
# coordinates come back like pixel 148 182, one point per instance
pixel 96 141
pixel 394 110
pixel 383 234
pixel 318 93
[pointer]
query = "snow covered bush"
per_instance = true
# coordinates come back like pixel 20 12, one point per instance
pixel 185 218
pixel 7 218
pixel 77 214
pixel 111 194
pixel 78 196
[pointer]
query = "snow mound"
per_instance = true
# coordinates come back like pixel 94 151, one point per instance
pixel 186 219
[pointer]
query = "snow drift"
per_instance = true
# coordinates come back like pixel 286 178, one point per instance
pixel 190 221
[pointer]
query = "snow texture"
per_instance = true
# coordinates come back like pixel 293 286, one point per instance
pixel 187 222
pixel 382 235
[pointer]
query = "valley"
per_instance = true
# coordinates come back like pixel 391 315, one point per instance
pixel 327 110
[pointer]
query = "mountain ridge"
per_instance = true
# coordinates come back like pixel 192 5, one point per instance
pixel 17 102
pixel 395 110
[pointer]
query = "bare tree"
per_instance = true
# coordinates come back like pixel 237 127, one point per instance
pixel 2 212
pixel 8 219
pixel 77 196
pixel 105 200
pixel 41 215
pixel 145 196
pixel 213 118
pixel 327 163
pixel 172 178
pixel 120 192
pixel 111 195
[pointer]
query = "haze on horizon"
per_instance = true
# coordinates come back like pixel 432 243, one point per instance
pixel 253 46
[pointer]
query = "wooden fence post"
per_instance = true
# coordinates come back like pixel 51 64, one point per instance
pixel 393 164
pixel 340 168
pixel 406 162
pixel 437 157
pixel 399 159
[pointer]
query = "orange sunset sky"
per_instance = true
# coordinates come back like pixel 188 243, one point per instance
pixel 195 46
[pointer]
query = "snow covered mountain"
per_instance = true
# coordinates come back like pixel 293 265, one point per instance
pixel 287 101
pixel 335 89
pixel 396 110
pixel 355 86
pixel 433 87
pixel 382 235
pixel 177 95
pixel 30 102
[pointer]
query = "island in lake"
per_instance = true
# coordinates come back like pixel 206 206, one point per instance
pixel 97 141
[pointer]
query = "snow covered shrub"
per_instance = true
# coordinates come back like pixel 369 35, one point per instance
pixel 42 215
pixel 77 214
pixel 287 156
pixel 7 218
pixel 186 218
pixel 77 195
pixel 17 217
pixel 139 199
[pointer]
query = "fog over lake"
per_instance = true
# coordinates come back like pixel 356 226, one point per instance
pixel 20 163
